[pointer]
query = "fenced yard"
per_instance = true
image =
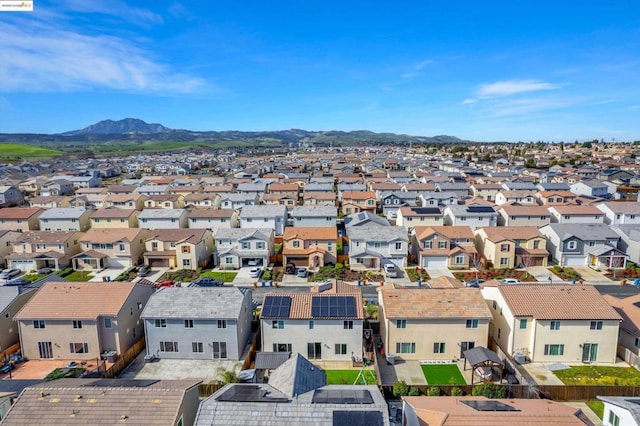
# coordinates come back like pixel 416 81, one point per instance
pixel 348 377
pixel 443 374
pixel 599 375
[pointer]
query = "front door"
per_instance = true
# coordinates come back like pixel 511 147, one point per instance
pixel 46 352
pixel 465 346
pixel 589 352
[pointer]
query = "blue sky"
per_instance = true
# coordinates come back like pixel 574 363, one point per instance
pixel 493 70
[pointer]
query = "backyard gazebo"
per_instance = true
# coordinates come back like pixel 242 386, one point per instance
pixel 480 357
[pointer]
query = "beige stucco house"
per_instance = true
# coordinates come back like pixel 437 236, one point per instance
pixel 508 247
pixel 44 249
pixel 20 219
pixel 179 248
pixel 125 201
pixel 65 219
pixel 311 247
pixel 112 217
pixel 110 247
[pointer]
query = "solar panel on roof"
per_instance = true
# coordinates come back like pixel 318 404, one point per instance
pixel 276 307
pixel 480 209
pixel 325 287
pixel 341 396
pixel 489 406
pixel 426 210
pixel 333 306
pixel 358 418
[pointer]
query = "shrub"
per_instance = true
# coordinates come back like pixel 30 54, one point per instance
pixel 457 392
pixel 489 390
pixel 433 391
pixel 414 391
pixel 400 389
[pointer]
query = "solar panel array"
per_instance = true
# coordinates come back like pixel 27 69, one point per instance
pixel 333 307
pixel 276 306
pixel 358 418
pixel 489 406
pixel 342 396
pixel 480 209
pixel 427 210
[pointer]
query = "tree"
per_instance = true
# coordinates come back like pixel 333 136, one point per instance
pixel 527 261
pixel 489 390
pixel 587 145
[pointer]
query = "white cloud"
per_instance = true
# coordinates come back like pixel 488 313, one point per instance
pixel 118 8
pixel 513 87
pixel 423 64
pixel 469 101
pixel 40 57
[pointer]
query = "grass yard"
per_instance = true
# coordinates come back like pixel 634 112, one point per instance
pixel 79 276
pixel 443 374
pixel 227 277
pixel 14 150
pixel 597 407
pixel 348 377
pixel 599 375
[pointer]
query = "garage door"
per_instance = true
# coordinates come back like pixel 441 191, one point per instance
pixel 434 262
pixel 301 262
pixel 398 261
pixel 160 263
pixel 575 261
pixel 119 263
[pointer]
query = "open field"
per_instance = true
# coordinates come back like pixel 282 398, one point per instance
pixel 599 375
pixel 443 374
pixel 14 150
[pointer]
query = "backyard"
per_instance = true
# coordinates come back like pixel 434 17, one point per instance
pixel 226 277
pixel 443 374
pixel 348 377
pixel 599 375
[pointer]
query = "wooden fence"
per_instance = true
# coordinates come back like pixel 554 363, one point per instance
pixel 125 359
pixel 4 355
pixel 251 356
pixel 208 389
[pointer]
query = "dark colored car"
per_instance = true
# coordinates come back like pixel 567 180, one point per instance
pixel 207 282
pixel 18 281
pixel 474 283
pixel 144 270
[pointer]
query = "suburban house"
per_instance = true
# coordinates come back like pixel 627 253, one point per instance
pixel 164 201
pixel 310 247
pixel 65 219
pixel 508 247
pixel 20 219
pixel 553 323
pixel 110 248
pixel 98 318
pixel 198 323
pixel 370 248
pixel 237 201
pixel 577 244
pixel 179 248
pixel 264 217
pixel 518 196
pixel 357 201
pixel 50 201
pixel 31 187
pixel 213 219
pixel 287 200
pixel 10 196
pixel 163 218
pixel 591 188
pixel 435 199
pixel 470 215
pixel 576 214
pixel 239 247
pixel 460 189
pixel 131 200
pixel 520 215
pixel 319 198
pixel 44 249
pixel 318 215
pixel 410 217
pixel 621 213
pixel 486 191
pixel 620 410
pixel 112 217
pixel 555 197
pixel 324 324
pixel 365 219
pixel 150 190
pixel 56 187
pixel 629 240
pixel 432 324
pixel 12 299
pixel 629 338
pixel 7 239
pixel 392 201
pixel 199 200
pixel 444 247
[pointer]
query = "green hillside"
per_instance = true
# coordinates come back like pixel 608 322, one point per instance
pixel 10 151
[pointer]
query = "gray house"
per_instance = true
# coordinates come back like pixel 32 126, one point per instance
pixel 629 240
pixel 320 215
pixel 11 301
pixel 10 196
pixel 198 323
pixel 470 215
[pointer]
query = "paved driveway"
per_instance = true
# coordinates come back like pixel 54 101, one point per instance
pixel 440 272
pixel 591 275
pixel 542 274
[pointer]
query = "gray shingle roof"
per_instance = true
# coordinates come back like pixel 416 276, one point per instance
pixel 242 233
pixel 315 211
pixel 195 303
pixel 268 211
pixel 583 231
pixel 161 214
pixel 7 294
pixel 378 233
pixel 63 213
pixel 296 376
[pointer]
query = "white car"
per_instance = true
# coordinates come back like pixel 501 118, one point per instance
pixel 391 271
pixel 255 272
pixel 510 281
pixel 7 274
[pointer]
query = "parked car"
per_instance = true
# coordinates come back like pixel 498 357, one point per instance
pixel 290 269
pixel 255 272
pixel 7 274
pixel 144 270
pixel 474 283
pixel 207 282
pixel 44 270
pixel 510 281
pixel 252 262
pixel 302 272
pixel 18 281
pixel 391 271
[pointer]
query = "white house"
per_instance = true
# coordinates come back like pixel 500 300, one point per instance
pixel 264 217
pixel 621 213
pixel 163 218
pixel 314 216
pixel 238 247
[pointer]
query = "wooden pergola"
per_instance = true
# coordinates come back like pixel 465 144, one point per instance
pixel 479 357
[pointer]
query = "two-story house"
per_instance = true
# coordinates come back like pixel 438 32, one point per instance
pixel 443 247
pixel 10 196
pixel 486 191
pixel 523 215
pixel 56 187
pixel 357 201
pixel 112 217
pixel 507 247
pixel 20 219
pixel 315 216
pixel 12 299
pixel 629 240
pixel 65 219
pixel 319 198
pixel 237 201
pixel 198 323
pixel 576 214
pixel 119 248
pixel 264 217
pixel 432 324
pixel 213 219
pixel 82 321
pixel 620 213
pixel 7 239
pixel 204 201
pixel 629 338
pixel 553 323
pixel 577 244
pixel 520 197
pixel 410 217
pixel 460 189
pixel 164 201
pixel 44 249
pixel 163 218
pixel 470 215
pixel 370 248
pixel 435 199
pixel 555 197
pixel 179 248
pixel 591 188
pixel 392 201
pixel 130 200
pixel 311 247
pixel 239 247
pixel 325 324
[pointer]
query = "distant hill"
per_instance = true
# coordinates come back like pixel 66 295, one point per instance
pixel 136 130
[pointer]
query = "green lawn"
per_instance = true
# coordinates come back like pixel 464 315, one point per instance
pixel 443 374
pixel 13 150
pixel 348 377
pixel 227 277
pixel 597 407
pixel 33 277
pixel 79 276
pixel 599 375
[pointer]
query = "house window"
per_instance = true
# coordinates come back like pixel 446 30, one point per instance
pixel 314 350
pixel 277 324
pixel 536 244
pixel 188 323
pixel 427 244
pixel 472 323
pixel 186 262
pixel 222 323
pixel 459 260
pixel 186 249
pixel 260 245
pixel 504 247
pixel 572 245
pixel 555 325
pixel 341 348
pixel 401 323
pixel 554 349
pixel 246 246
pixel 311 325
pixel 197 347
pixel 219 350
pixel 79 348
pixel 495 304
pixel 596 325
pixel 398 246
pixel 38 324
pixel 442 244
pixel 168 346
pixel 567 217
pixel 228 260
pixel 161 323
pixel 376 245
pixel 637 343
pixel 504 261
pixel 77 324
pixel 614 419
pixel 108 323
pixel 523 323
pixel 122 247
pixel 296 243
pixel 439 347
pixel 249 219
pixel 406 348
pixel 592 243
pixel 347 325
pixel 282 347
